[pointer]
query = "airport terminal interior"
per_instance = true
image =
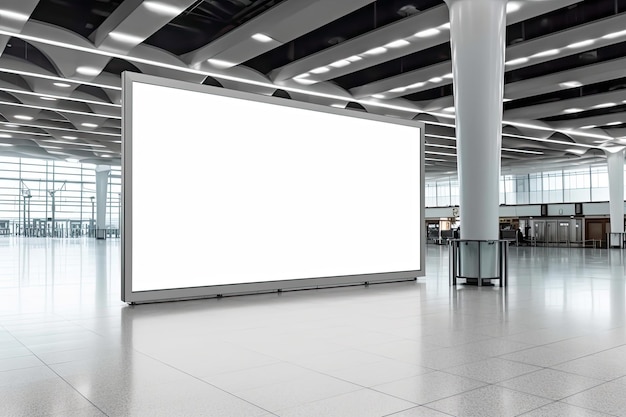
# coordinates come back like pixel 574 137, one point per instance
pixel 545 337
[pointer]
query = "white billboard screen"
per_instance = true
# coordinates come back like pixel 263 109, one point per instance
pixel 230 188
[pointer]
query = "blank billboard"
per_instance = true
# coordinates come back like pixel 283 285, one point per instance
pixel 228 192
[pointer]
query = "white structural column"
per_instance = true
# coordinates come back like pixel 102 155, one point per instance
pixel 478 33
pixel 615 161
pixel 102 180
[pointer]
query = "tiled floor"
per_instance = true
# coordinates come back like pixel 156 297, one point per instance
pixel 552 344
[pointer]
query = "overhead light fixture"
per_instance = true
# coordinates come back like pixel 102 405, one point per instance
pixel 506 100
pixel 106 156
pixel 90 71
pixel 581 44
pixel 69 137
pixel 341 63
pixel 6 144
pixel 5 135
pixel 572 110
pixel 304 81
pixel 588 127
pixel 427 33
pixel 445 26
pixel 398 90
pixel 523 151
pixel 416 85
pixel 517 61
pixel 378 96
pixel 571 84
pixel 376 51
pixel 48 98
pixel 549 52
pixel 220 63
pixel 23 117
pixel 513 6
pixel 449 109
pixel 398 43
pixel 448 76
pixel 604 105
pixel 71 160
pixel 89 124
pixel 162 8
pixel 261 37
pixel 338 106
pixel 13 15
pixel 436 80
pixel 354 58
pixel 614 35
pixel 11 125
pixel 126 38
pixel 320 70
pixel 62 85
pixel 614 123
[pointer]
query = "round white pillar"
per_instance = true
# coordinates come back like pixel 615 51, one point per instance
pixel 478 33
pixel 615 161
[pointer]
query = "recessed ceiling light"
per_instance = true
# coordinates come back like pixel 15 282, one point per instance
pixel 23 117
pixel 448 76
pixel 571 84
pixel 63 85
pixel 71 160
pixel 162 8
pixel 517 61
pixel 341 63
pixel 354 58
pixel 338 106
pixel 69 137
pixel 398 90
pixel 604 105
pixel 572 110
pixel 376 51
pixel 90 71
pixel 506 100
pixel 220 63
pixel 445 26
pixel 10 14
pixel 549 52
pixel 449 109
pixel 5 144
pixel 5 135
pixel 588 127
pixel 436 80
pixel 106 156
pixel 614 35
pixel 398 44
pixel 614 123
pixel 581 44
pixel 126 38
pixel 320 70
pixel 305 75
pixel 513 6
pixel 304 81
pixel 89 124
pixel 427 33
pixel 379 96
pixel 416 85
pixel 11 125
pixel 261 37
pixel 48 98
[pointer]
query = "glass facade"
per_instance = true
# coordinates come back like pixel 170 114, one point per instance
pixel 33 192
pixel 579 185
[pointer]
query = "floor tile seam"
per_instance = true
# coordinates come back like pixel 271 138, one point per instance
pixel 276 412
pixel 588 389
pixel 208 383
pixel 415 407
pixel 65 381
pixel 552 399
pixel 504 380
pixel 585 376
pixel 587 408
pixel 538 408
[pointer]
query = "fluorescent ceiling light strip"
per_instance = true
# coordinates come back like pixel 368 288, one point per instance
pixel 53 77
pixel 64 129
pixel 253 82
pixel 434 145
pixel 59 110
pixel 79 100
pixel 74 143
pixel 440 153
pixel 23 133
pixel 522 151
pixel 558 142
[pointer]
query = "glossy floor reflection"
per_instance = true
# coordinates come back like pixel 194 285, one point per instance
pixel 552 344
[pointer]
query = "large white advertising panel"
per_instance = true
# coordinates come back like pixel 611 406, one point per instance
pixel 229 192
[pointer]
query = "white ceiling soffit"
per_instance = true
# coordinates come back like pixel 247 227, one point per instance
pixel 282 23
pixel 20 12
pixel 404 29
pixel 131 23
pixel 589 74
pixel 601 120
pixel 570 106
pixel 418 80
